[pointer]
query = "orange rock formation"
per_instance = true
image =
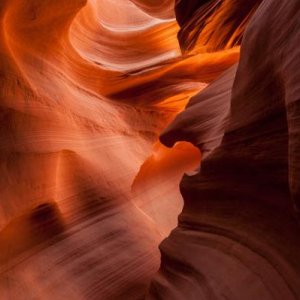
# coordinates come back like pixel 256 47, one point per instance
pixel 93 92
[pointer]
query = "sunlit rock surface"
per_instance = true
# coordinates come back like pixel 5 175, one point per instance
pixel 95 138
pixel 212 25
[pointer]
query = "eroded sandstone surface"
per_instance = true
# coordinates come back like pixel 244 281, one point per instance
pixel 104 105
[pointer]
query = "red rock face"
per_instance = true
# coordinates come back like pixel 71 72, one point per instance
pixel 105 105
pixel 238 233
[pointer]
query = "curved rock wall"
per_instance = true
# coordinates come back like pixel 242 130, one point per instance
pixel 238 233
pixel 89 189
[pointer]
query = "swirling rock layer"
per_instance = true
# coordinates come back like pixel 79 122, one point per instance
pixel 89 190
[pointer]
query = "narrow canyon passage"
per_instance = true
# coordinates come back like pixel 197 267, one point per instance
pixel 105 105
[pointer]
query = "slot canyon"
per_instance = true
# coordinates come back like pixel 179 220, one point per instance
pixel 149 149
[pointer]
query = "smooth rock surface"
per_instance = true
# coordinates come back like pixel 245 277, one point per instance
pixel 240 217
pixel 92 94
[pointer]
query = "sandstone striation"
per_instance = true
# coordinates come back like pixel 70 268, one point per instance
pixel 104 105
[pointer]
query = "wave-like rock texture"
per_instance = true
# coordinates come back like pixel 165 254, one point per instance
pixel 88 191
pixel 238 233
pixel 212 25
pixel 86 88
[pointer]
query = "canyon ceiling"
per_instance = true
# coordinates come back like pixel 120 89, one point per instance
pixel 150 149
